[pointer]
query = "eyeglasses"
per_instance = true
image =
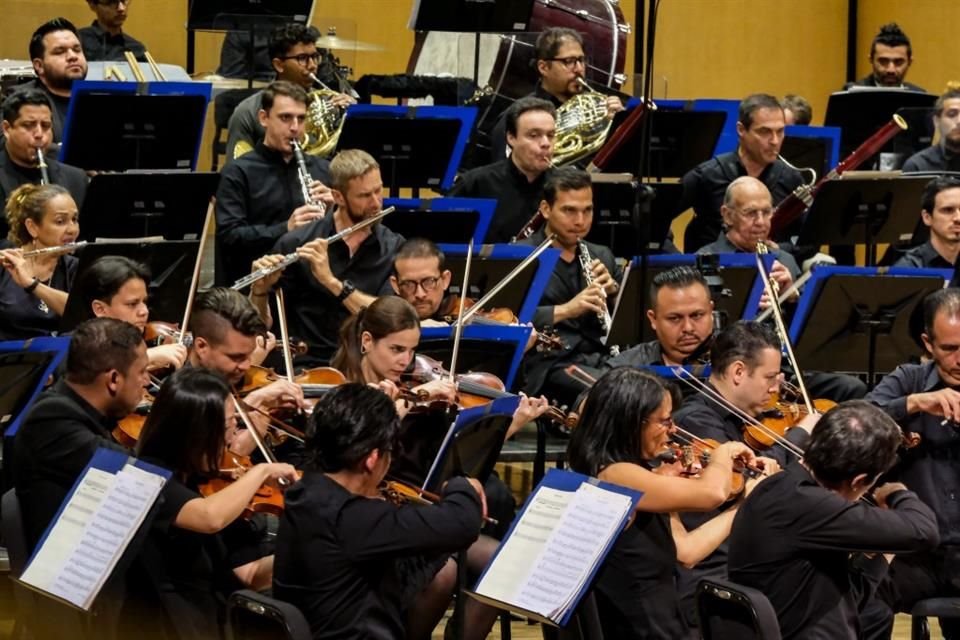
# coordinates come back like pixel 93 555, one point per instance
pixel 304 58
pixel 667 424
pixel 409 287
pixel 570 62
pixel 756 214
pixel 113 3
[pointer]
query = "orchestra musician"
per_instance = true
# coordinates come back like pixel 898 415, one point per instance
pixel 116 287
pixel 516 182
pixel 358 566
pixel 561 64
pixel 625 427
pixel 923 398
pixel 572 301
pixel 942 156
pixel 28 129
pixel 260 198
pixel 292 50
pixel 106 371
pixel 890 58
pixel 190 563
pixel 796 110
pixel 419 277
pixel 330 283
pixel 33 288
pixel 760 128
pixel 806 540
pixel 940 213
pixel 105 38
pixel 58 59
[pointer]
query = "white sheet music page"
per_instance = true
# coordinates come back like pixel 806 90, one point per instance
pixel 96 525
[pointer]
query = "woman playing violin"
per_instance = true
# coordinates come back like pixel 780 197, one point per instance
pixel 358 566
pixel 625 426
pixel 189 555
pixel 116 287
pixel 33 288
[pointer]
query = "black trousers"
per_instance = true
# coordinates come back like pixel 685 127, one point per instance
pixel 928 575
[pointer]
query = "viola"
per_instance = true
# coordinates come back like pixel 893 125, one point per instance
pixel 546 340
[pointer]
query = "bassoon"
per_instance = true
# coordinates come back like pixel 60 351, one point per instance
pixel 793 206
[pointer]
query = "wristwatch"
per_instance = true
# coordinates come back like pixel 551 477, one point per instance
pixel 348 288
pixel 30 288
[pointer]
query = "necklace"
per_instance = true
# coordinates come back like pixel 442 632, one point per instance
pixel 43 305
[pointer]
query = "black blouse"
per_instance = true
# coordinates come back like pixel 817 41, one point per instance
pixel 23 315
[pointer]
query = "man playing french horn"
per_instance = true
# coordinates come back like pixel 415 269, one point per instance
pixel 295 58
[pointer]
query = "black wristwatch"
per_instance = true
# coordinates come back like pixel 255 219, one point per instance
pixel 348 288
pixel 30 288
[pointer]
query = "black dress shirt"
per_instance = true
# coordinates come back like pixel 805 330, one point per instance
pixel 60 105
pixel 498 135
pixel 256 196
pixel 21 315
pixel 932 159
pixel 723 245
pixel 351 564
pixel 924 256
pixel 315 314
pixel 930 468
pixel 12 175
pixel 705 185
pixel 235 56
pixel 582 335
pixel 792 540
pixel 517 198
pixel 98 44
pixel 53 446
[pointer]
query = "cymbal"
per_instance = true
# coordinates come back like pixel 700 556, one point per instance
pixel 336 42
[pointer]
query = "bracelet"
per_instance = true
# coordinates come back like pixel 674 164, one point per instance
pixel 30 288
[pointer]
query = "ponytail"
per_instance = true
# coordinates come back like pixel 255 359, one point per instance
pixel 385 315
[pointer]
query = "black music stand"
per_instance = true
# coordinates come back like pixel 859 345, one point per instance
pixel 863 211
pixel 861 112
pixel 858 319
pixel 417 148
pixel 919 133
pixel 137 205
pixel 613 216
pixel 443 220
pixel 680 140
pixel 171 266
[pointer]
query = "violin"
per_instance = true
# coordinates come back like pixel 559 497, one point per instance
pixel 689 460
pixel 128 429
pixel 546 340
pixel 267 499
pixel 401 493
pixel 158 333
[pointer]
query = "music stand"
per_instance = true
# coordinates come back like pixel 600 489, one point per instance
pixel 862 112
pixel 171 266
pixel 137 205
pixel 919 133
pixel 470 16
pixel 857 319
pixel 734 284
pixel 496 349
pixel 680 140
pixel 613 223
pixel 418 147
pixel 491 262
pixel 728 139
pixel 443 220
pixel 858 210
pixel 118 126
pixel 814 147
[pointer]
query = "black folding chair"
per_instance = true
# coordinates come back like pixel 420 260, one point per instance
pixel 254 616
pixel 728 610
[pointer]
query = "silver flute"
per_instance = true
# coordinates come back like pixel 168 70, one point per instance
pixel 305 177
pixel 290 258
pixel 585 260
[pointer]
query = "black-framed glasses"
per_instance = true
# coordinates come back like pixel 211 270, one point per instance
pixel 409 287
pixel 570 62
pixel 304 59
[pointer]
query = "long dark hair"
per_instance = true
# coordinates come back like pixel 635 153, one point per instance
pixel 614 416
pixel 385 315
pixel 185 429
pixel 347 424
pixel 104 278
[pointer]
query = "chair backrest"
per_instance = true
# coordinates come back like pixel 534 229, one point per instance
pixel 728 610
pixel 14 537
pixel 254 616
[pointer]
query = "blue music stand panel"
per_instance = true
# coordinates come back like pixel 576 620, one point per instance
pixel 822 273
pixel 515 334
pixel 544 266
pixel 466 116
pixel 728 137
pixel 201 89
pixel 483 206
pixel 830 137
pixel 55 345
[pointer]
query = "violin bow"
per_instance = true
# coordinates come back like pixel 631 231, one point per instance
pixel 195 279
pixel 284 334
pixel 248 423
pixel 458 329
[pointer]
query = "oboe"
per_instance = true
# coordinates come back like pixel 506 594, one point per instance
pixel 585 266
pixel 42 165
pixel 305 177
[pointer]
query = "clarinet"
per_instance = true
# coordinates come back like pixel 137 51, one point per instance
pixel 585 260
pixel 304 177
pixel 42 165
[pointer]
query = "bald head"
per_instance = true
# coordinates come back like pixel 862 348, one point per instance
pixel 747 210
pixel 744 187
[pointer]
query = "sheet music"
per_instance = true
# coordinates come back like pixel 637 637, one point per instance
pixel 85 543
pixel 554 548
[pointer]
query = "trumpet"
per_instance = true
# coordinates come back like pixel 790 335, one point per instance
pixel 585 265
pixel 305 178
pixel 42 165
pixel 291 258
